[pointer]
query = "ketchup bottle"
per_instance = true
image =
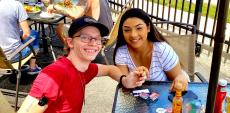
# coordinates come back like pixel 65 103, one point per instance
pixel 220 96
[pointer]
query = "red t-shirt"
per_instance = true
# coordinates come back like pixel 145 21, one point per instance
pixel 63 85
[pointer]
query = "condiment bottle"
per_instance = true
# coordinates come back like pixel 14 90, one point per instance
pixel 227 106
pixel 177 100
pixel 220 96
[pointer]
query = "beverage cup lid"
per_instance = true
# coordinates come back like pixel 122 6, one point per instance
pixel 223 82
pixel 196 104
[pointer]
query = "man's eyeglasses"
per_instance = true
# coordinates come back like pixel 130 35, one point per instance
pixel 86 39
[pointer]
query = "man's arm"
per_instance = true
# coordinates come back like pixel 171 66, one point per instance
pixel 74 12
pixel 30 105
pixel 124 68
pixel 132 80
pixel 109 70
pixel 25 28
pixel 93 9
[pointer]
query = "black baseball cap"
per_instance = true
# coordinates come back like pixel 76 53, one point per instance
pixel 85 21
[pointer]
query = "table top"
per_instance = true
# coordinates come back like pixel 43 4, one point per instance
pixel 55 19
pixel 125 102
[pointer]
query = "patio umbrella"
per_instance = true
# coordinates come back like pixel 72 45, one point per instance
pixel 217 52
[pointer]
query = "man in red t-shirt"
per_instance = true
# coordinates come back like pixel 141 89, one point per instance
pixel 60 87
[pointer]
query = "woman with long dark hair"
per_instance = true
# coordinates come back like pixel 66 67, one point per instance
pixel 140 44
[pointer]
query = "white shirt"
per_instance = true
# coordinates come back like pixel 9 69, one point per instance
pixel 11 14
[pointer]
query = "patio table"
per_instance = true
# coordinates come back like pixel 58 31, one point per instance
pixel 125 102
pixel 42 21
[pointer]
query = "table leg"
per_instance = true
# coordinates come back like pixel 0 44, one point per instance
pixel 44 39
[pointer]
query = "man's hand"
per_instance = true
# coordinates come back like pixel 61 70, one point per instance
pixel 136 77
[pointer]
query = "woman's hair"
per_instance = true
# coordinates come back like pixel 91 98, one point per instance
pixel 153 35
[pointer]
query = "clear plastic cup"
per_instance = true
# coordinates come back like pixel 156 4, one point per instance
pixel 193 106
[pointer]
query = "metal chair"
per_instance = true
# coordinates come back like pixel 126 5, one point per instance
pixel 184 46
pixel 8 68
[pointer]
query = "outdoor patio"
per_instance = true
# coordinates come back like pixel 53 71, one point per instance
pixel 98 95
pixel 100 91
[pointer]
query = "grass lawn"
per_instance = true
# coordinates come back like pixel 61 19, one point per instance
pixel 212 8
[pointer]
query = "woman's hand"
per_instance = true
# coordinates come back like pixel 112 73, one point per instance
pixel 136 77
pixel 143 71
pixel 178 81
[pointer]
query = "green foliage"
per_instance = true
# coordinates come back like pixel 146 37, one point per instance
pixel 211 13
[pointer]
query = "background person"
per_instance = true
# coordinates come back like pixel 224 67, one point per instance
pixel 12 17
pixel 140 44
pixel 98 9
pixel 63 82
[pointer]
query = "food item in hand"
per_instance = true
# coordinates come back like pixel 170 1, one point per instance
pixel 142 70
pixel 61 4
pixel 66 3
pixel 142 74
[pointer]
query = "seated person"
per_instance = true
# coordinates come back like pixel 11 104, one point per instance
pixel 63 82
pixel 98 9
pixel 140 44
pixel 13 16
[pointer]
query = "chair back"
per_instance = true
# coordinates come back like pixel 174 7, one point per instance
pixel 7 67
pixel 4 63
pixel 184 46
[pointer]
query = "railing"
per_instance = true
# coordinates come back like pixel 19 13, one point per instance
pixel 177 11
